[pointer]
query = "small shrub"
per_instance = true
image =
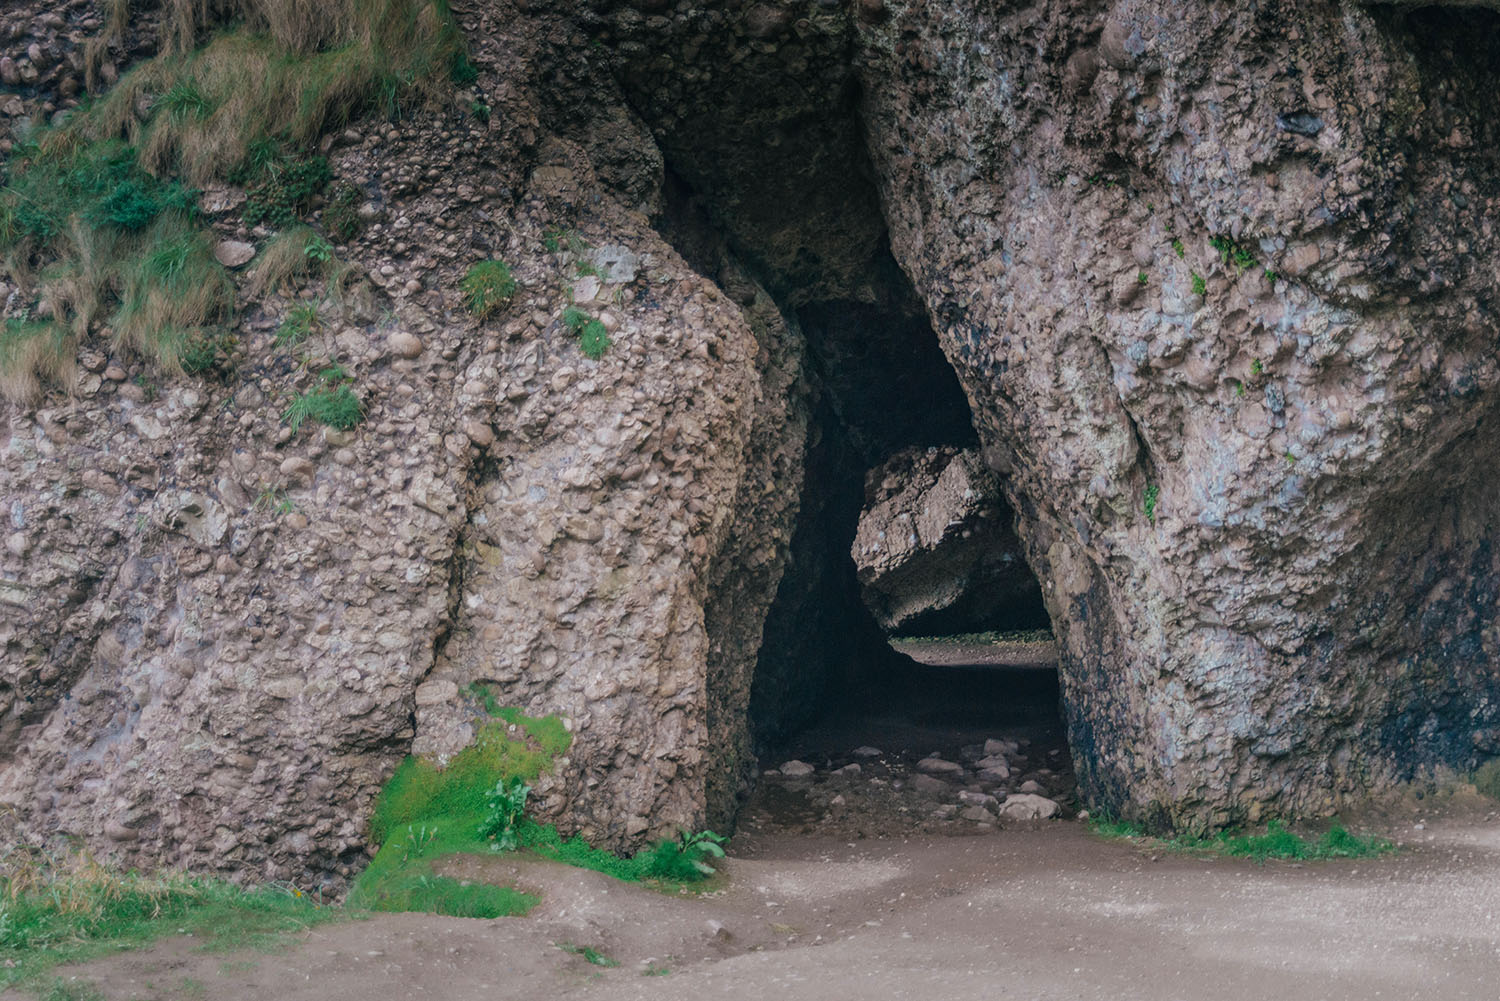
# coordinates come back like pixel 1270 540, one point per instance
pixel 318 251
pixel 487 287
pixel 682 861
pixel 1200 286
pixel 1140 278
pixel 280 190
pixel 507 804
pixel 1256 367
pixel 479 110
pixel 1153 493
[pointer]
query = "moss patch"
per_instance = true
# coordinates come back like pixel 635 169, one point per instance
pixel 1276 842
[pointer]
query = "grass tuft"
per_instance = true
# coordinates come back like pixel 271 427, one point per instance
pixel 487 288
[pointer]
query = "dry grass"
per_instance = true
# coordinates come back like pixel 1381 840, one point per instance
pixel 31 355
pixel 298 69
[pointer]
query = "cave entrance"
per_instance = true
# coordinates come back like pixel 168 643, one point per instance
pixel 907 679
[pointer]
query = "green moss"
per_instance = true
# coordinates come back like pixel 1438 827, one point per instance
pixel 1275 843
pixel 336 406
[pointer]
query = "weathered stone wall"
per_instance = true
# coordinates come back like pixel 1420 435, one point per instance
pixel 220 636
pixel 1307 616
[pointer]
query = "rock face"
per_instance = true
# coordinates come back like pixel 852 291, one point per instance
pixel 1217 283
pixel 1228 325
pixel 935 550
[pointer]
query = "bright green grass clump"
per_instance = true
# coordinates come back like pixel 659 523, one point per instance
pixel 1276 843
pixel 65 910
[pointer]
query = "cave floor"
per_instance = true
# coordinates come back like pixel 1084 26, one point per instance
pixel 1045 911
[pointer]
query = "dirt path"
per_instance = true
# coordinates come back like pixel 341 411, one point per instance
pixel 1040 912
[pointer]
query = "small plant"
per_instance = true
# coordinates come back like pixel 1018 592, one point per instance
pixel 682 860
pixel 655 970
pixel 507 805
pixel 1270 276
pixel 1178 248
pixel 589 954
pixel 298 325
pixel 332 403
pixel 1487 779
pixel 275 500
pixel 1200 287
pixel 1233 252
pixel 1239 388
pixel 557 240
pixel 594 340
pixel 205 351
pixel 593 336
pixel 279 187
pixel 183 100
pixel 1140 278
pixel 1152 495
pixel 1256 368
pixel 318 251
pixel 587 269
pixel 418 841
pixel 487 287
pixel 479 110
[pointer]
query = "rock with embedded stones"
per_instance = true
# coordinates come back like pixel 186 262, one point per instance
pixel 404 344
pixel 1025 806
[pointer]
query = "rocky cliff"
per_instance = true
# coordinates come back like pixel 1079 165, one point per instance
pixel 1210 287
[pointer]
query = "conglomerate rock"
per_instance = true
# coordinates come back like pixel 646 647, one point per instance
pixel 1217 280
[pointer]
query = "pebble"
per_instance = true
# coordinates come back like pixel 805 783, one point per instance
pixel 1032 787
pixel 797 769
pixel 993 747
pixel 404 344
pixel 866 751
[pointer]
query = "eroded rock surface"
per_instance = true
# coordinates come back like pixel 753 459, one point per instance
pixel 935 550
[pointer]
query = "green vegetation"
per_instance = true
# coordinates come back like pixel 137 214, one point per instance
pixel 298 325
pixel 593 337
pixel 653 970
pixel 341 216
pixel 590 954
pixel 475 804
pixel 1200 286
pixel 1140 278
pixel 98 223
pixel 1148 503
pixel 487 287
pixel 1257 368
pixel 1178 248
pixel 1233 252
pixel 295 254
pixel 69 908
pixel 331 402
pixel 1487 779
pixel 1276 843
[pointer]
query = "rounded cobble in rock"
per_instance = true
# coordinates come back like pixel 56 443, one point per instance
pixel 1024 806
pixel 797 769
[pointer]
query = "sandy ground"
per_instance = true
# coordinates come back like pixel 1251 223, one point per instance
pixel 1042 912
